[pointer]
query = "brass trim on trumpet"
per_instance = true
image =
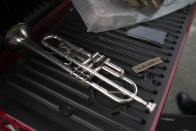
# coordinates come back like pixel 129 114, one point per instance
pixel 81 64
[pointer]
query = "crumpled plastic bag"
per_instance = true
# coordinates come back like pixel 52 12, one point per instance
pixel 104 15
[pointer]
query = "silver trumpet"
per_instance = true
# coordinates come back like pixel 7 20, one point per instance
pixel 79 63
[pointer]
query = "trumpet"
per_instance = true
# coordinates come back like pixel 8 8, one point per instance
pixel 79 63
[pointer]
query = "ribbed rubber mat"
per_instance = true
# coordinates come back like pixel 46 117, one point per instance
pixel 55 95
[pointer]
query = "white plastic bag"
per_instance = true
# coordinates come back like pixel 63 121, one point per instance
pixel 104 15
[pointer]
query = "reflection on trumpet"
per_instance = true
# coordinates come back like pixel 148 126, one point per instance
pixel 79 63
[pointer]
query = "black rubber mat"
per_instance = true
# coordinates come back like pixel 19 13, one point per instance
pixel 52 94
pixel 177 122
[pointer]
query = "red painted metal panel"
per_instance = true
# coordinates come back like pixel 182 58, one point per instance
pixel 9 123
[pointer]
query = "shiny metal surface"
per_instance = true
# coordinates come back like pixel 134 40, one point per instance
pixel 86 66
pixel 80 64
pixel 16 35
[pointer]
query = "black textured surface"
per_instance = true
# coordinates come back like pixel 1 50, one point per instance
pixel 31 12
pixel 50 93
pixel 174 122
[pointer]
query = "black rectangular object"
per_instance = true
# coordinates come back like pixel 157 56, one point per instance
pixel 177 122
pixel 40 86
pixel 153 36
